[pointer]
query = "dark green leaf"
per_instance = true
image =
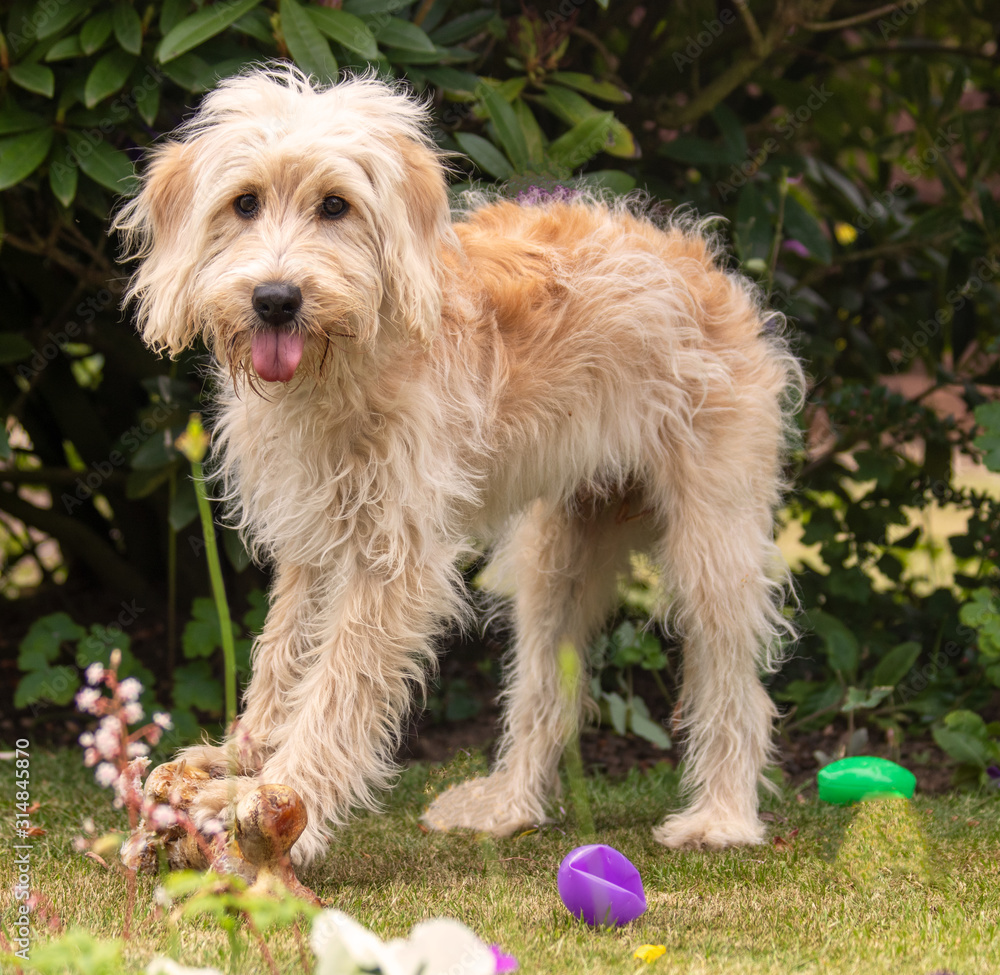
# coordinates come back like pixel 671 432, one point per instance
pixel 613 180
pixel 307 46
pixel 485 155
pixel 617 711
pixel 5 451
pixel 573 108
pixel 196 687
pixel 459 28
pixel 402 34
pixel 239 557
pixel 65 48
pixel 895 665
pixel 347 30
pixel 184 508
pixel 14 348
pixel 103 164
pixel 584 141
pixel 13 118
pixel 200 27
pixel 449 79
pixel 841 644
pixel 147 101
pixel 604 90
pixel 108 76
pixel 802 226
pixel 860 698
pixel 96 31
pixel 508 128
pixel 34 77
pixel 21 155
pixel 59 16
pixel 43 641
pixel 55 684
pixel 128 27
pixel 370 8
pixel 62 176
pixel 647 729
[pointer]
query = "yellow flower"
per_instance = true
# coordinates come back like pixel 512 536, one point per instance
pixel 845 233
pixel 193 442
pixel 648 953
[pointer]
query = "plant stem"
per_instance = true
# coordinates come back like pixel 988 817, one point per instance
pixel 218 589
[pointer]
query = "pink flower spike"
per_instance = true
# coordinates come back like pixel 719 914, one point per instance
pixel 95 673
pixel 129 689
pixel 107 738
pixel 504 963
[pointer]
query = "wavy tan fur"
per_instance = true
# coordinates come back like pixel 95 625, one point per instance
pixel 532 376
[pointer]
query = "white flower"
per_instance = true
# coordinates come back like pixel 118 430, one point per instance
pixel 166 966
pixel 162 817
pixel 86 700
pixel 95 673
pixel 106 774
pixel 129 689
pixel 163 720
pixel 108 738
pixel 133 712
pixel 137 749
pixel 438 947
pixel 87 739
pixel 212 827
pixel 90 757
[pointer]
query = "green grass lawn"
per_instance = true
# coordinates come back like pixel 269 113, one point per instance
pixel 884 887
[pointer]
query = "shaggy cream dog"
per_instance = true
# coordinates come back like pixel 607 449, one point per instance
pixel 564 380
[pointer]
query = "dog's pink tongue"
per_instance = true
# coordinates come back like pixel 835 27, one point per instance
pixel 276 354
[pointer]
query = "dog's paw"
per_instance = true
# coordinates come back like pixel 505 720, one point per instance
pixel 708 831
pixel 216 802
pixel 487 805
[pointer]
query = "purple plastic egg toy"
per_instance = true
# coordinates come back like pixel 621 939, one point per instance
pixel 601 885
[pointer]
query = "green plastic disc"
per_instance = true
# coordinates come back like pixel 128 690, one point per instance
pixel 864 777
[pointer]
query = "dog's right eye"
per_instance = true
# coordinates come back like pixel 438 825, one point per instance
pixel 246 205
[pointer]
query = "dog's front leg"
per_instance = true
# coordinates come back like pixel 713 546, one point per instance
pixel 371 643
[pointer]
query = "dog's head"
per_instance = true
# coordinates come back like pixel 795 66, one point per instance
pixel 284 216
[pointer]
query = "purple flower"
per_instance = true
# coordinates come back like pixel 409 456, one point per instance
pixel 796 247
pixel 993 771
pixel 504 963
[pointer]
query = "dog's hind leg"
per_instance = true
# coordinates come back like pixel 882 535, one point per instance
pixel 564 563
pixel 723 574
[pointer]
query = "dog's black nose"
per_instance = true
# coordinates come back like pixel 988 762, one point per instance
pixel 276 302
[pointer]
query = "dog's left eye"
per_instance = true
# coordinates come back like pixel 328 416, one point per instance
pixel 334 207
pixel 246 205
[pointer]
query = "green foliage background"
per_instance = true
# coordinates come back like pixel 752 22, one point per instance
pixel 852 150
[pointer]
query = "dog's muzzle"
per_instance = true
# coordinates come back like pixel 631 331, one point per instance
pixel 276 350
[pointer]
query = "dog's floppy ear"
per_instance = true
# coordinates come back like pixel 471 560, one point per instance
pixel 412 244
pixel 156 229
